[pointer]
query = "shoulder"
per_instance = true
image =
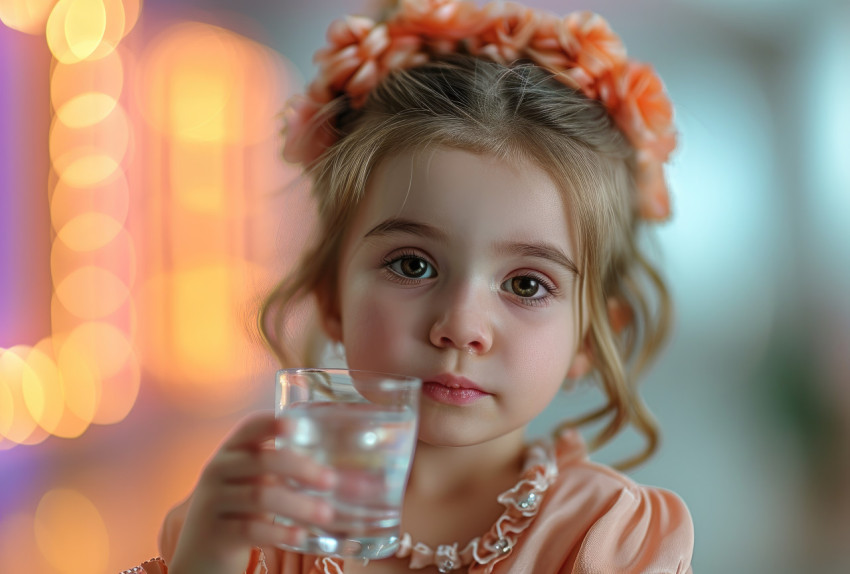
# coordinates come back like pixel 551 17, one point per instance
pixel 624 526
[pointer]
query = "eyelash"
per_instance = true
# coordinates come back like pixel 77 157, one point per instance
pixel 393 275
pixel 551 290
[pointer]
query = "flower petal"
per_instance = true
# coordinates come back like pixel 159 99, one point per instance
pixel 363 81
pixel 305 134
pixel 452 19
pixel 588 38
pixel 653 197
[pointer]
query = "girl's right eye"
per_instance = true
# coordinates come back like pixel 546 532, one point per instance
pixel 411 267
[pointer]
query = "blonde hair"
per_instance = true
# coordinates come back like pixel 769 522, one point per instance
pixel 509 112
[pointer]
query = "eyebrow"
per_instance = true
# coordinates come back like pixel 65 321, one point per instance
pixel 410 227
pixel 540 250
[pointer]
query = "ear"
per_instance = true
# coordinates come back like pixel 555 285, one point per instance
pixel 329 315
pixel 620 316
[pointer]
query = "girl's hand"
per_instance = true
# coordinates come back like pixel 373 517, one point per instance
pixel 242 488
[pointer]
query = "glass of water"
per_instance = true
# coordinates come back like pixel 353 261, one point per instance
pixel 363 425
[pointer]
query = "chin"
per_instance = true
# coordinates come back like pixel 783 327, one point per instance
pixel 455 432
pixel 443 439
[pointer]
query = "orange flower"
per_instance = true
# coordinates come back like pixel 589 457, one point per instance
pixel 578 78
pixel 350 64
pixel 590 42
pixel 643 110
pixel 579 49
pixel 508 30
pixel 443 19
pixel 306 134
pixel 544 47
pixel 404 51
pixel 653 198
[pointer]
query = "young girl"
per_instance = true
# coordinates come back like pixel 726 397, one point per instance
pixel 481 175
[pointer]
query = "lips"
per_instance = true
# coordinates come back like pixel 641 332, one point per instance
pixel 452 390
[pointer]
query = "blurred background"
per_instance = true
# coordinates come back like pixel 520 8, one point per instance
pixel 144 211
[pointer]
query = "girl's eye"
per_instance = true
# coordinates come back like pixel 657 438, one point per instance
pixel 528 287
pixel 412 267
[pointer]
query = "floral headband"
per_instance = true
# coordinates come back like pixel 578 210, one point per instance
pixel 579 49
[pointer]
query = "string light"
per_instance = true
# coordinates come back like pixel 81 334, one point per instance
pixel 200 105
pixel 65 382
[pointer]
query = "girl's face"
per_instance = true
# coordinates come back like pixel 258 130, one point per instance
pixel 458 269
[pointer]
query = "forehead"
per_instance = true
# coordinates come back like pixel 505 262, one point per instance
pixel 468 192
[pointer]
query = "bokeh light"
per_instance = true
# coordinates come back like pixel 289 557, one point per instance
pixel 44 393
pixel 90 231
pixel 151 245
pixel 69 82
pixel 132 11
pixel 65 383
pixel 196 344
pixel 16 421
pixel 117 257
pixel 86 156
pixel 78 30
pixel 85 26
pixel 70 532
pixel 28 16
pixel 197 176
pixel 109 198
pixel 82 381
pixel 119 389
pixel 207 97
pixel 92 292
pixel 203 83
pixel 101 344
pixel 86 109
pixel 108 354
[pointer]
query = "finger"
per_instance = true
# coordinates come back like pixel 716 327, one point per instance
pixel 252 431
pixel 264 499
pixel 361 485
pixel 281 464
pixel 261 531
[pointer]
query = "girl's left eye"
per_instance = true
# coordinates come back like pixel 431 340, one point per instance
pixel 528 287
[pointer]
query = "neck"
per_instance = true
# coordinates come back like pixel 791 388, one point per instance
pixel 447 471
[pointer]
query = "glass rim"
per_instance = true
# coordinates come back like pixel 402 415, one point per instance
pixel 391 377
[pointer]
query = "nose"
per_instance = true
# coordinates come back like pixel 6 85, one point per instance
pixel 464 323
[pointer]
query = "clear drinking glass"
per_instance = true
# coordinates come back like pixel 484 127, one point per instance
pixel 362 424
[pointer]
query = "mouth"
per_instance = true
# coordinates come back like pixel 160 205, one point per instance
pixel 452 390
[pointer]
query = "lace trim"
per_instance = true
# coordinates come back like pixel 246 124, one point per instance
pixel 256 565
pixel 328 565
pixel 521 503
pixel 152 566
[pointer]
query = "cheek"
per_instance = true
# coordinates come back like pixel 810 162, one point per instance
pixel 376 332
pixel 546 351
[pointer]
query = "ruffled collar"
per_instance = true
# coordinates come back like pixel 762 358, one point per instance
pixel 521 503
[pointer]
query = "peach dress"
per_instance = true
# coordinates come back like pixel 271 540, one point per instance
pixel 565 515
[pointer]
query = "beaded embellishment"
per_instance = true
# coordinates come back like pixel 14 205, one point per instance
pixel 522 503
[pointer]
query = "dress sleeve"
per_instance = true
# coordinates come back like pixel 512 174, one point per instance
pixel 644 530
pixel 257 565
pixel 168 535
